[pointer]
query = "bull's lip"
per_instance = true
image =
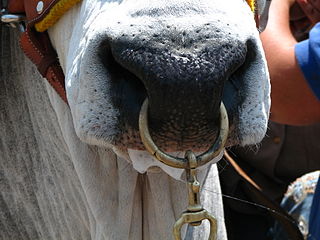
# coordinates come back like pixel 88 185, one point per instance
pixel 202 159
pixel 134 142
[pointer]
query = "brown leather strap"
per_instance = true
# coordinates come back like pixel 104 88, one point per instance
pixel 257 19
pixel 16 6
pixel 278 213
pixel 38 48
pixel 256 14
pixel 29 7
pixel 32 14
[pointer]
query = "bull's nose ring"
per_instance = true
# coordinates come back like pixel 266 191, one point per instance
pixel 177 162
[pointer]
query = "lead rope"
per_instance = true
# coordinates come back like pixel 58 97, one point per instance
pixel 288 223
pixel 195 213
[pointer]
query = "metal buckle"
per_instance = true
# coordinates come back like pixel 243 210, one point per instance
pixel 13 20
pixel 195 214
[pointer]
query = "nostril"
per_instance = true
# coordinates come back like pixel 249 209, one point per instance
pixel 127 91
pixel 248 61
pixel 115 69
pixel 236 85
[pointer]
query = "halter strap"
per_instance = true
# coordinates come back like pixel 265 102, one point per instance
pixel 41 14
pixel 252 4
pixel 39 50
pixel 35 42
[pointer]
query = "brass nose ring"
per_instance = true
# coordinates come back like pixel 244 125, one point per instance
pixel 177 162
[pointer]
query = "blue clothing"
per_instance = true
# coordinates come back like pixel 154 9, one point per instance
pixel 308 55
pixel 314 218
pixel 297 202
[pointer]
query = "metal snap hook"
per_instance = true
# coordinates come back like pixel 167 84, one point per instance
pixel 192 217
pixel 176 162
pixel 194 214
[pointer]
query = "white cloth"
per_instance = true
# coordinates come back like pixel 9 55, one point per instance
pixel 143 161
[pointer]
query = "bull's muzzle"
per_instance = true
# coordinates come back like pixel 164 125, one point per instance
pixel 195 214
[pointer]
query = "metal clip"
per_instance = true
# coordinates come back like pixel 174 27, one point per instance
pixel 13 20
pixel 195 213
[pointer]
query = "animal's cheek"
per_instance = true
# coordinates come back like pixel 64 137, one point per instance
pixel 96 128
pixel 247 97
pixel 95 118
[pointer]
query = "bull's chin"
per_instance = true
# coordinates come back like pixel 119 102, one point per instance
pixel 132 140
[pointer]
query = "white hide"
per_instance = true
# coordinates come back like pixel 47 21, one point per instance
pixel 53 186
pixel 142 161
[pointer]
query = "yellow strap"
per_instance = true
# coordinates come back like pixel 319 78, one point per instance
pixel 54 14
pixel 252 4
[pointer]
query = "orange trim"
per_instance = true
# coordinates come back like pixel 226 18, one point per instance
pixel 252 4
pixel 54 14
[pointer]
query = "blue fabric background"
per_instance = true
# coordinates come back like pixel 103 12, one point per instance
pixel 314 218
pixel 308 55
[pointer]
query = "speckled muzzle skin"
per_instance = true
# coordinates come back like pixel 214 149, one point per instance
pixel 186 57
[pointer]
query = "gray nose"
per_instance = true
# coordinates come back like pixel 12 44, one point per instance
pixel 183 73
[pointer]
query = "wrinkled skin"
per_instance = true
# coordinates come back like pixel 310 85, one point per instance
pixel 185 56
